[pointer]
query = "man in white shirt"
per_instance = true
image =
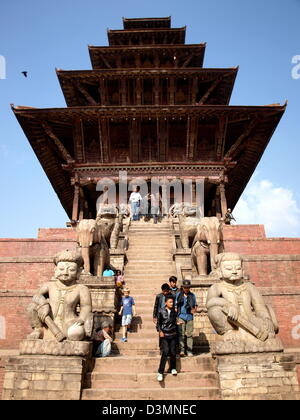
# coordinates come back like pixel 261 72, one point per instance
pixel 135 200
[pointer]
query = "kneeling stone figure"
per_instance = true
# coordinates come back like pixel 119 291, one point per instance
pixel 53 312
pixel 236 308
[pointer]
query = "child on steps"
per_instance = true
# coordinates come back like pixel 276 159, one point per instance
pixel 127 311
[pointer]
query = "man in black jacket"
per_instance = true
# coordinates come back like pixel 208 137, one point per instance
pixel 160 300
pixel 166 326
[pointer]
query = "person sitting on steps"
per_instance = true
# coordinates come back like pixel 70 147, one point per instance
pixel 103 340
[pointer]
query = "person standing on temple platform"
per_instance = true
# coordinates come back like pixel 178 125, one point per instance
pixel 173 286
pixel 154 205
pixel 135 200
pixel 228 217
pixel 186 306
pixel 167 328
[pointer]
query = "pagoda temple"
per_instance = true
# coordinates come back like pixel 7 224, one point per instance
pixel 149 108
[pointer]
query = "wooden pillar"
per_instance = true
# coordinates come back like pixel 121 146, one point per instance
pixel 172 90
pixel 78 140
pixel 123 92
pixel 224 207
pixel 138 91
pixel 100 141
pixel 104 139
pixel 75 202
pixel 218 204
pixel 192 134
pixel 194 90
pixel 135 140
pixel 138 61
pixel 103 97
pixel 156 91
pixel 156 60
pixel 163 138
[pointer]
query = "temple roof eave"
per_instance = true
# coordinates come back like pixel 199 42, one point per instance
pixel 35 121
pixel 106 111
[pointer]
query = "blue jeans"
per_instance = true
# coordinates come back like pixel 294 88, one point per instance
pixel 104 349
pixel 135 207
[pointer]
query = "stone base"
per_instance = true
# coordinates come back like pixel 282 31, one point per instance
pixel 43 378
pixel 269 376
pixel 53 348
pixel 251 346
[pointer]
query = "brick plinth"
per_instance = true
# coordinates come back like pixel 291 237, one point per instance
pixel 43 378
pixel 269 376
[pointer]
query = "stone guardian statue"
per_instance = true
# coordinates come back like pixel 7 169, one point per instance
pixel 235 306
pixel 53 313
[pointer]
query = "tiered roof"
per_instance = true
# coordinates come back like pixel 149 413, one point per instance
pixel 148 107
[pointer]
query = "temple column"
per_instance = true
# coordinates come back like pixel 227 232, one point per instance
pixel 103 99
pixel 218 204
pixel 192 130
pixel 223 199
pixel 163 138
pixel 156 91
pixel 78 140
pixel 104 139
pixel 123 92
pixel 75 202
pixel 194 90
pixel 172 90
pixel 138 91
pixel 135 127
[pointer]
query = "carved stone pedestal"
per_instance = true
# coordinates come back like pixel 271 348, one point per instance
pixel 53 348
pixel 104 297
pixel 258 376
pixel 43 378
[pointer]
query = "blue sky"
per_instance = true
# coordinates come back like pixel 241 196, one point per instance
pixel 261 37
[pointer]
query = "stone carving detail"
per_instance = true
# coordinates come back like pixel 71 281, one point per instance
pixel 238 312
pixel 53 312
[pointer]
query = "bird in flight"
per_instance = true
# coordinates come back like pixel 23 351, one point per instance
pixel 25 73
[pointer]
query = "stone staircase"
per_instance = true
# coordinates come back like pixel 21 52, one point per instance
pixel 130 373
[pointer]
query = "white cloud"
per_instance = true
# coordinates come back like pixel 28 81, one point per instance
pixel 275 207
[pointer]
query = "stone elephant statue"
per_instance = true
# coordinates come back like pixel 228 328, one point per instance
pixel 93 245
pixel 109 222
pixel 188 222
pixel 207 243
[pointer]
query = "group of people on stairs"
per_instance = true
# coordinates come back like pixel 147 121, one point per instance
pixel 173 315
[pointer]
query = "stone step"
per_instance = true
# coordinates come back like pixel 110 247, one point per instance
pixel 142 380
pixel 161 393
pixel 148 268
pixel 148 278
pixel 150 333
pixel 149 364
